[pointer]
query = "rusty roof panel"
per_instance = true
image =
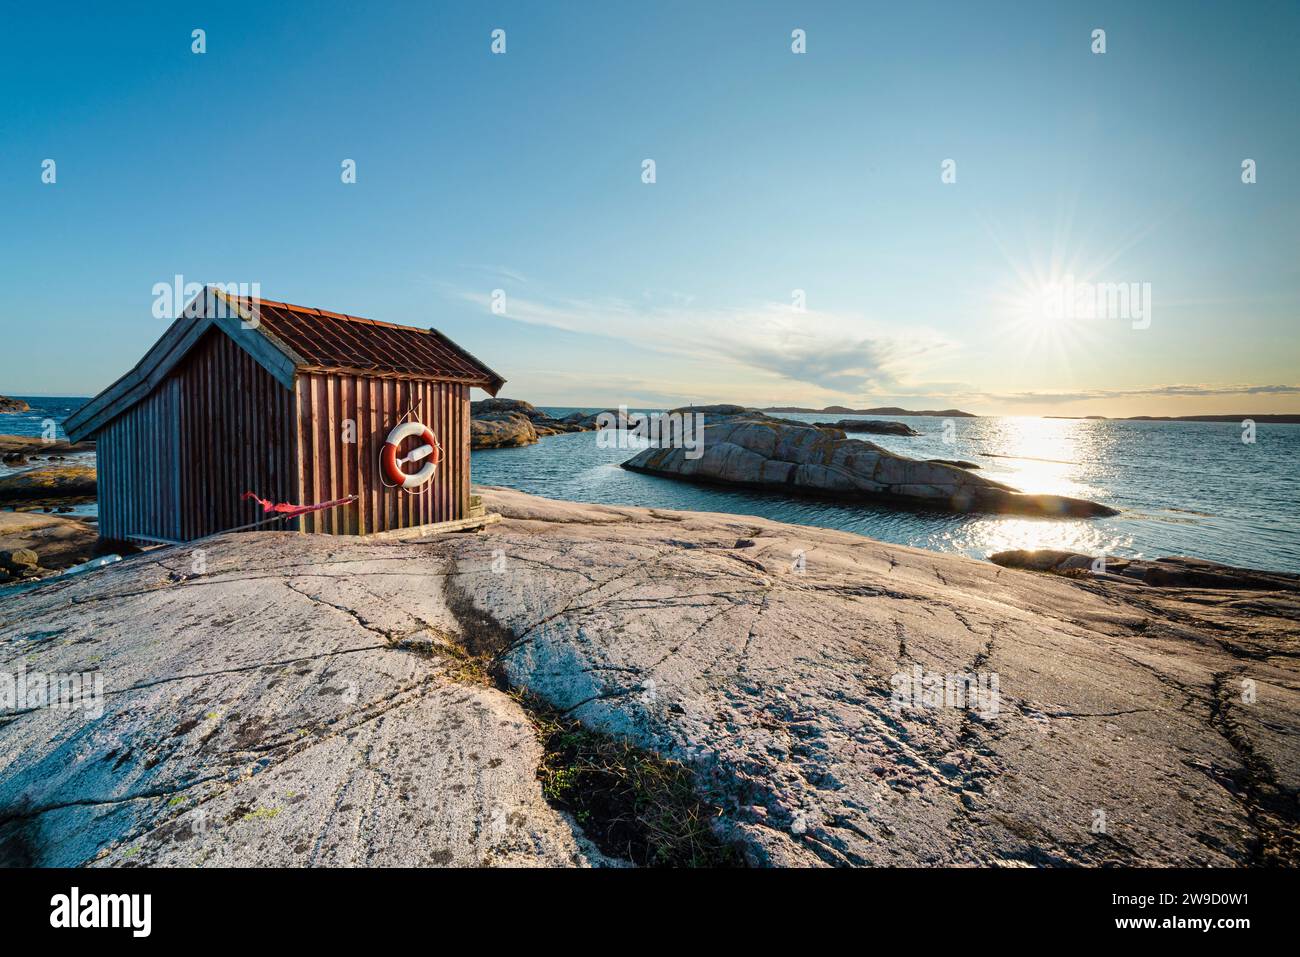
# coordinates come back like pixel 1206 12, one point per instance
pixel 331 340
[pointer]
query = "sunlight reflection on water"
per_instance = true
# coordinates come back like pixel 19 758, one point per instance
pixel 1184 488
pixel 1187 488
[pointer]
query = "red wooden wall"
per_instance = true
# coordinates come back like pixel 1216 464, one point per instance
pixel 330 468
pixel 237 436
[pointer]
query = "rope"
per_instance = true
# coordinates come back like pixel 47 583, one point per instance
pixel 281 510
pixel 293 511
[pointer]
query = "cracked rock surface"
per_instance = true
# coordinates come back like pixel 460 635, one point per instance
pixel 300 701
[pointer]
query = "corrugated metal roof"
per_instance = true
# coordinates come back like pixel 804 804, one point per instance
pixel 287 340
pixel 325 340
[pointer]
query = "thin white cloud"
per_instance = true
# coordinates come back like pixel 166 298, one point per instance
pixel 769 352
pixel 844 354
pixel 500 272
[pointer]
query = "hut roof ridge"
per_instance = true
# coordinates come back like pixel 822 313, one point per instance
pixel 287 339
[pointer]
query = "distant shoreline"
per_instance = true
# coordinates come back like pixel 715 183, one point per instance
pixel 883 410
pixel 1273 418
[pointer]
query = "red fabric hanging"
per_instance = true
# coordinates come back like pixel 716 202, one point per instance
pixel 284 508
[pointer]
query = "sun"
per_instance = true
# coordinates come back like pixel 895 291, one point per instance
pixel 1036 315
pixel 1035 309
pixel 1045 305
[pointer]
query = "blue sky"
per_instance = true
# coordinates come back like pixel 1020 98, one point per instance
pixel 775 172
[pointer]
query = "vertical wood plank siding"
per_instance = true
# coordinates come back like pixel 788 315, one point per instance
pixel 137 460
pixel 174 465
pixel 329 468
pixel 236 437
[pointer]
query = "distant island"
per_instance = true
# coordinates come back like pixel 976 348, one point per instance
pixel 884 410
pixel 1277 419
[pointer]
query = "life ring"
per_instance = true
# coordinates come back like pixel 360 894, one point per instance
pixel 393 466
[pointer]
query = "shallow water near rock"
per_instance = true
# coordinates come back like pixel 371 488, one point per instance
pixel 32 423
pixel 1183 488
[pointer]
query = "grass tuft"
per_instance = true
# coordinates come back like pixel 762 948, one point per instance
pixel 631 802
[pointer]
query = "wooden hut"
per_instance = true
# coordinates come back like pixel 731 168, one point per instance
pixel 294 404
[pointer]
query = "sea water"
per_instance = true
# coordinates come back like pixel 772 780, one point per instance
pixel 1183 488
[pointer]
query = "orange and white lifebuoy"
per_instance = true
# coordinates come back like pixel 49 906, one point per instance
pixel 430 450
